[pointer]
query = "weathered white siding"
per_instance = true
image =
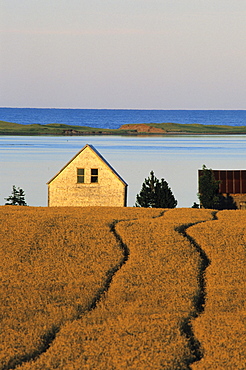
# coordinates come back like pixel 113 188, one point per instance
pixel 63 189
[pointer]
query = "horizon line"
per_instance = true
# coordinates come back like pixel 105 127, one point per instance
pixel 163 109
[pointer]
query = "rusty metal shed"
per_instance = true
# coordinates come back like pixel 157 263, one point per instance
pixel 231 181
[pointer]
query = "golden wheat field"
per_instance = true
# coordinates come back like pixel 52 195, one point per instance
pixel 122 288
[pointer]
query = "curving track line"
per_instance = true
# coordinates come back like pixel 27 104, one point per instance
pixel 50 336
pixel 186 326
pixel 200 299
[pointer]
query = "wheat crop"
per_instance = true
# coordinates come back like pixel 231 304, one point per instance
pixel 139 323
pixel 53 263
pixel 121 288
pixel 221 329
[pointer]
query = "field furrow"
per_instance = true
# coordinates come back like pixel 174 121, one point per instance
pixel 221 329
pixel 55 265
pixel 51 272
pixel 199 298
pixel 122 288
pixel 138 323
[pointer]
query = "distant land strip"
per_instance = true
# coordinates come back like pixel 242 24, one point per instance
pixel 162 129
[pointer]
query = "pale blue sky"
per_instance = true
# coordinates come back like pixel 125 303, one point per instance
pixel 166 54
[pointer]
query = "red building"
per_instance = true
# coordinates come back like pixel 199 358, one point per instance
pixel 233 183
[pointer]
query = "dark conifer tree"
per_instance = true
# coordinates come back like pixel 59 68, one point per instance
pixel 17 198
pixel 208 189
pixel 155 194
pixel 21 197
pixel 209 192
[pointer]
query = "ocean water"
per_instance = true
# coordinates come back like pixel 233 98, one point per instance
pixel 114 118
pixel 30 162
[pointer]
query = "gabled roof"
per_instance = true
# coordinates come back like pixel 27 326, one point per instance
pixel 91 147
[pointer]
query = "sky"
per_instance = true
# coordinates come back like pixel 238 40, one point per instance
pixel 142 54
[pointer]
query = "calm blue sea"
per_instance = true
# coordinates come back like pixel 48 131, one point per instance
pixel 30 161
pixel 114 118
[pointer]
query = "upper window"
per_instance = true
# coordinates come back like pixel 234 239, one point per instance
pixel 94 175
pixel 80 175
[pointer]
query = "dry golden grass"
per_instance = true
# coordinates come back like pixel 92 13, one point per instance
pixel 139 322
pixel 221 329
pixel 118 288
pixel 54 263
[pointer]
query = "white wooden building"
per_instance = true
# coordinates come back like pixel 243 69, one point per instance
pixel 87 180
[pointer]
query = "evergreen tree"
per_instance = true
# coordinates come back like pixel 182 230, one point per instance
pixel 195 205
pixel 155 194
pixel 21 197
pixel 208 189
pixel 17 198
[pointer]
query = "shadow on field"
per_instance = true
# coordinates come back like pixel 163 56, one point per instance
pixel 48 338
pixel 185 328
pixel 199 299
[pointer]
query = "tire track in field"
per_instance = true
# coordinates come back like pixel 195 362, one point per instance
pixel 111 273
pixel 49 337
pixel 186 326
pixel 199 300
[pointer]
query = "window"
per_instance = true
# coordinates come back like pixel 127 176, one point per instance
pixel 94 175
pixel 80 175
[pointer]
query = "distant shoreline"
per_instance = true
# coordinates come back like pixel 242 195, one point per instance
pixel 145 129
